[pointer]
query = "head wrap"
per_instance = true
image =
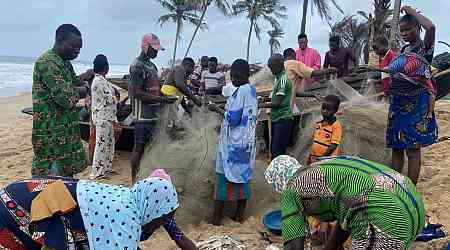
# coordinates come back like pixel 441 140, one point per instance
pixel 280 170
pixel 150 39
pixel 113 215
pixel 162 174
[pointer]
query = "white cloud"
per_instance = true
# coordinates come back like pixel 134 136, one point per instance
pixel 115 28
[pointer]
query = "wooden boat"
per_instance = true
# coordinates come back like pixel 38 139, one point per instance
pixel 126 140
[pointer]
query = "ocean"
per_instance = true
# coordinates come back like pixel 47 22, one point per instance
pixel 16 73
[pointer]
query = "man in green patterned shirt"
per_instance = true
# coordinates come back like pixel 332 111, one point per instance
pixel 57 146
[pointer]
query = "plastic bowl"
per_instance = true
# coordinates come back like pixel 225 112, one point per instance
pixel 272 221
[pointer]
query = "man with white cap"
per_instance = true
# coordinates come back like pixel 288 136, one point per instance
pixel 145 97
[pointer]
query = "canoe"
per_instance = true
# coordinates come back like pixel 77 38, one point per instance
pixel 124 143
pixel 443 84
pixel 126 140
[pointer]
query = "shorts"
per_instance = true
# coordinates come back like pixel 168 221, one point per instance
pixel 229 191
pixel 144 132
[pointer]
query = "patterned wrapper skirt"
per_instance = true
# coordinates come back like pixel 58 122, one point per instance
pixel 229 191
pixel 408 125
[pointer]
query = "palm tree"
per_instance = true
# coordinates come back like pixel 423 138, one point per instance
pixel 323 8
pixel 395 19
pixel 224 7
pixel 381 14
pixel 354 34
pixel 180 11
pixel 273 40
pixel 257 10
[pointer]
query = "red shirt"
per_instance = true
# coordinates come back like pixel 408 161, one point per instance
pixel 384 63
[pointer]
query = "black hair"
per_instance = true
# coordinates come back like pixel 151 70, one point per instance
pixel 411 20
pixel 241 65
pixel 334 38
pixel 289 52
pixel 302 35
pixel 276 58
pixel 188 60
pixel 381 40
pixel 335 100
pixel 64 30
pixel 100 63
pixel 213 59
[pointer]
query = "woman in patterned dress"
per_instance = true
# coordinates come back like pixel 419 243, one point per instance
pixel 412 123
pixel 104 109
pixel 60 213
pixel 380 208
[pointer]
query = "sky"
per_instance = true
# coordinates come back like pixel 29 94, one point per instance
pixel 115 28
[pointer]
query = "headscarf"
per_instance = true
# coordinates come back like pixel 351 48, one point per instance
pixel 113 215
pixel 150 39
pixel 280 170
pixel 162 174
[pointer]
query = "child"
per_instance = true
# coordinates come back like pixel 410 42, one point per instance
pixel 281 115
pixel 212 79
pixel 328 133
pixel 237 145
pixel 381 48
pixel 297 72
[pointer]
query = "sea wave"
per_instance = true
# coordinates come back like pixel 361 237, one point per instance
pixel 17 76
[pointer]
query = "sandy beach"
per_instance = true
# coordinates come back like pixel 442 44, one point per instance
pixel 16 155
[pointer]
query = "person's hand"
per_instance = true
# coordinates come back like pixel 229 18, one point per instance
pixel 324 231
pixel 332 71
pixel 86 76
pixel 169 99
pixel 408 10
pixel 212 107
pixel 197 102
pixel 318 97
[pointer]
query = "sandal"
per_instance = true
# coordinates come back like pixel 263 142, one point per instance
pixel 100 177
pixel 112 172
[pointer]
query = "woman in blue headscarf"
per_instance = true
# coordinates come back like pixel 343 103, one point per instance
pixel 60 213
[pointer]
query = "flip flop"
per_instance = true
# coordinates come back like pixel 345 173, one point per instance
pixel 100 177
pixel 112 172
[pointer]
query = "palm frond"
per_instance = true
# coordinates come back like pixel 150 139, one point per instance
pixel 363 14
pixel 167 5
pixel 165 18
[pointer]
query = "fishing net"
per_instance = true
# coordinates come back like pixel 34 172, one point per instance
pixel 188 154
pixel 188 150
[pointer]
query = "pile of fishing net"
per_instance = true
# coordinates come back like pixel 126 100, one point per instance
pixel 188 152
pixel 189 158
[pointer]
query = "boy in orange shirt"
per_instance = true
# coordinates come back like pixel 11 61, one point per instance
pixel 328 133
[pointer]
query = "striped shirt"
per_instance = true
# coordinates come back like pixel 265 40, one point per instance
pixel 213 80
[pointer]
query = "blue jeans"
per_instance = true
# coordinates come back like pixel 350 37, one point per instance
pixel 281 135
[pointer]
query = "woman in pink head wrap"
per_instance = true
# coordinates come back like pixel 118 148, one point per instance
pixel 162 174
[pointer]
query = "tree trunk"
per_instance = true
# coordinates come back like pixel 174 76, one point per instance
pixel 249 38
pixel 305 12
pixel 395 19
pixel 205 8
pixel 271 49
pixel 176 42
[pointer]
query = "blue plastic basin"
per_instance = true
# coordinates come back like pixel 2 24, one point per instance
pixel 272 221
